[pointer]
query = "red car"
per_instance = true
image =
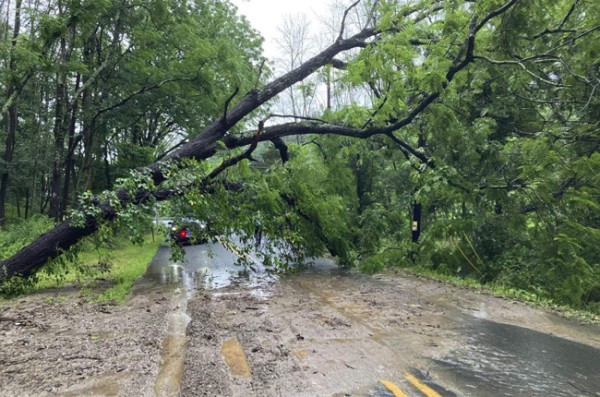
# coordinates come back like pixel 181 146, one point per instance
pixel 187 231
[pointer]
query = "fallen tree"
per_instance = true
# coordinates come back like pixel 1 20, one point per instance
pixel 205 145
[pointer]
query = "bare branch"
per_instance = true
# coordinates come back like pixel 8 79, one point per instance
pixel 247 154
pixel 283 149
pixel 522 66
pixel 494 14
pixel 227 102
pixel 371 17
pixel 141 91
pixel 406 149
pixel 583 34
pixel 591 96
pixel 341 35
pixel 291 116
pixel 311 128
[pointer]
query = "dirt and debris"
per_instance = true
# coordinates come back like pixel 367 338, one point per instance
pixel 316 334
pixel 56 343
pixel 308 334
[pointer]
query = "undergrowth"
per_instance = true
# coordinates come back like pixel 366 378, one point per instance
pixel 102 272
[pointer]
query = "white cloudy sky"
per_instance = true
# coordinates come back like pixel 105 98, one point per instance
pixel 267 15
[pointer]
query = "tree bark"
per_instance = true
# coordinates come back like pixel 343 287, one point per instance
pixel 69 162
pixel 60 119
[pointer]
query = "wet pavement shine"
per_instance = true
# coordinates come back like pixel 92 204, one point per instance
pixel 208 266
pixel 506 360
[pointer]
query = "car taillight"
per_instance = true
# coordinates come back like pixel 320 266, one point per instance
pixel 183 233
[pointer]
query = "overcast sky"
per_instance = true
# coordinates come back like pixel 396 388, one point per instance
pixel 267 15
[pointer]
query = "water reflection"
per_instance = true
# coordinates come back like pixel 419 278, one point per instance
pixel 208 266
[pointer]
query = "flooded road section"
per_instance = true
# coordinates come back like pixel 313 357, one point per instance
pixel 208 267
pixel 330 332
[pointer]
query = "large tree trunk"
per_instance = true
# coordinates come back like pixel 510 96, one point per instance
pixel 66 112
pixel 69 162
pixel 8 157
pixel 46 247
pixel 59 147
pixel 60 119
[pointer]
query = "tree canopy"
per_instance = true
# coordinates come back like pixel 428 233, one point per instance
pixel 480 116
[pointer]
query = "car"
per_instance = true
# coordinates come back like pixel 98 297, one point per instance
pixel 186 230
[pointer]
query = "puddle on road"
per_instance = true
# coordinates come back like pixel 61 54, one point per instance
pixel 208 267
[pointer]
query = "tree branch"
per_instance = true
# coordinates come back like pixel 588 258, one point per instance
pixel 559 29
pixel 247 154
pixel 282 148
pixel 341 35
pixel 495 13
pixel 227 102
pixel 522 66
pixel 290 116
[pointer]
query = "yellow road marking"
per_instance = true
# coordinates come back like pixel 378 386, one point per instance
pixel 235 357
pixel 428 391
pixel 393 388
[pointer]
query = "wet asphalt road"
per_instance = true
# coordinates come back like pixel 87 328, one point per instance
pixel 505 360
pixel 492 359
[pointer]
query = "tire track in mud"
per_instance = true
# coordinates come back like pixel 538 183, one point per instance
pixel 221 317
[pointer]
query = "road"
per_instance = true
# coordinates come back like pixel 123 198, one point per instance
pixel 328 332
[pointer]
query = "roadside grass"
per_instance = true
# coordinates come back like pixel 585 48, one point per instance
pixel 103 283
pixel 499 290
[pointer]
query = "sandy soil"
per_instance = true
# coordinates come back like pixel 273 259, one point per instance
pixel 312 334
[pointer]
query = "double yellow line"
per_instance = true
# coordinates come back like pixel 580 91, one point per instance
pixel 428 391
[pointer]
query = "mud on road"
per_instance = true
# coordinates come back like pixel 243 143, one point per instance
pixel 56 344
pixel 318 333
pixel 339 334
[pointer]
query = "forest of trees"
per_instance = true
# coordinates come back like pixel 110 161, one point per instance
pixel 482 117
